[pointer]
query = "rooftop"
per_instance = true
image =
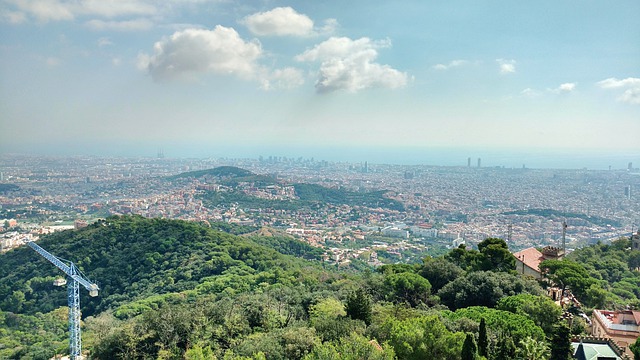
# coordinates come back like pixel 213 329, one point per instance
pixel 530 257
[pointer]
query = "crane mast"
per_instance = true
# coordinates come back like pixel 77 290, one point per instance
pixel 73 297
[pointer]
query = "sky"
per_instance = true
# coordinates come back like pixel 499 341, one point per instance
pixel 338 79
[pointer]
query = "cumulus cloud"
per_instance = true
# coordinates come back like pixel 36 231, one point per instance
pixel 451 64
pixel 60 10
pixel 631 86
pixel 126 25
pixel 281 21
pixel 506 66
pixel 347 64
pixel 190 52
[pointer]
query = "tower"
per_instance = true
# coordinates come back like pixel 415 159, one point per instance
pixel 564 237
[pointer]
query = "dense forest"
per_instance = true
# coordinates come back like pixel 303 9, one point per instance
pixel 178 290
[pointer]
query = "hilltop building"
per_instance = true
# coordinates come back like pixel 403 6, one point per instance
pixel 528 260
pixel 623 327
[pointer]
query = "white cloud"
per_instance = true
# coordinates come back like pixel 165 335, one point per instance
pixel 451 64
pixel 330 26
pixel 566 87
pixel 45 10
pixel 507 66
pixel 115 8
pixel 60 10
pixel 126 25
pixel 349 65
pixel 631 86
pixel 281 21
pixel 196 51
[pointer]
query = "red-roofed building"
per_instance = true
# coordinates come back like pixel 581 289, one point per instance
pixel 528 260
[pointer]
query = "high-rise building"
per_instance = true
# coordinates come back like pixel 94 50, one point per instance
pixel 630 166
pixel 479 162
pixel 468 162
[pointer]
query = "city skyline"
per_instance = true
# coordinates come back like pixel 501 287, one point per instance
pixel 224 78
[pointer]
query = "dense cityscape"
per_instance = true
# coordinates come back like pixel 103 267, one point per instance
pixel 442 207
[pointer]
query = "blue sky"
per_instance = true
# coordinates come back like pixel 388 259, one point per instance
pixel 225 78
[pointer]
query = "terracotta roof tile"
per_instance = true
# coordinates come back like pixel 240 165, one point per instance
pixel 530 257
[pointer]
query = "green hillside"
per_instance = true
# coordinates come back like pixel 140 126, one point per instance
pixel 178 290
pixel 227 175
pixel 131 258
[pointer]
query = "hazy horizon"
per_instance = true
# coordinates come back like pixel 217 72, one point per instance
pixel 591 159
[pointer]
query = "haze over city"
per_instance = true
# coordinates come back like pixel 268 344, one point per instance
pixel 545 84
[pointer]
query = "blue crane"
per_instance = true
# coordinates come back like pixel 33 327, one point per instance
pixel 73 297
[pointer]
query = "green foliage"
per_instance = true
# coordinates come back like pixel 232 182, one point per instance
pixel 439 271
pixel 495 255
pixel 318 194
pixel 483 339
pixel 289 246
pixel 352 347
pixel 635 349
pixel 612 269
pixel 516 326
pixel 358 306
pixel 39 336
pixel 132 258
pixel 532 349
pixel 424 337
pixel 408 288
pixel 226 172
pixel 469 348
pixel 568 273
pixel 539 308
pixel 560 343
pixel 484 288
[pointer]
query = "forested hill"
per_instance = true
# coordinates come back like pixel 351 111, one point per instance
pixel 133 257
pixel 308 194
pixel 227 175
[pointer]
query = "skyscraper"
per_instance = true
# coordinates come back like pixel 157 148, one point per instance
pixel 479 162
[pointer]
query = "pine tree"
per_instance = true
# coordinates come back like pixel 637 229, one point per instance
pixel 483 339
pixel 560 343
pixel 469 348
pixel 359 306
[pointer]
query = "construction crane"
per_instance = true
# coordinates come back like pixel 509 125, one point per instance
pixel 73 297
